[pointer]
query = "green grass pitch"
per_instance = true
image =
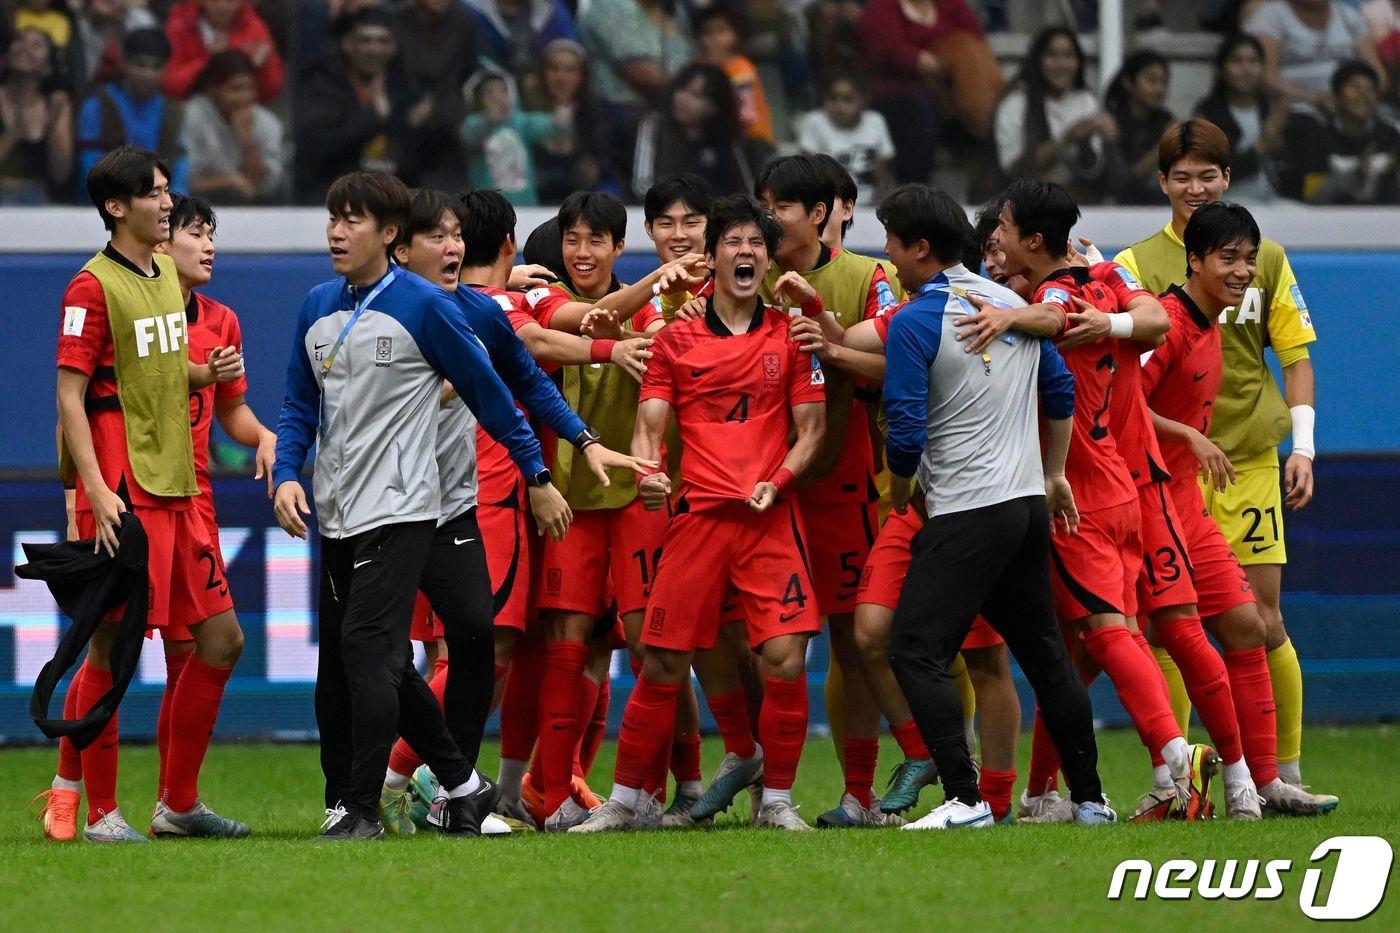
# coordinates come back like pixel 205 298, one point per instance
pixel 728 878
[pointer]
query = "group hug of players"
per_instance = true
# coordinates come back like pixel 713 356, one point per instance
pixel 469 414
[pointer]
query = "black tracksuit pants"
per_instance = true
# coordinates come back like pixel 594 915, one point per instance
pixel 458 587
pixel 994 561
pixel 367 690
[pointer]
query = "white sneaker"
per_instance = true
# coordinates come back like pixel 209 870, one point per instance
pixel 1242 803
pixel 649 812
pixel 1094 813
pixel 493 825
pixel 954 814
pixel 112 828
pixel 779 814
pixel 569 815
pixel 1049 807
pixel 611 817
pixel 1282 799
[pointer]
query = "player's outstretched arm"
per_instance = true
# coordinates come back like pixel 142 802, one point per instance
pixel 1299 393
pixel 107 506
pixel 1055 384
pixel 809 422
pixel 239 422
pixel 547 345
pixel 1216 468
pixel 991 321
pixel 630 299
pixel 653 414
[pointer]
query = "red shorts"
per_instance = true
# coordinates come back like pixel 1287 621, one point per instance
pixel 426 626
pixel 762 556
pixel 888 564
pixel 620 547
pixel 184 568
pixel 1221 583
pixel 505 533
pixel 841 536
pixel 1166 563
pixel 1096 570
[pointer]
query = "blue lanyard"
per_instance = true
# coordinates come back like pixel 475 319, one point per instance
pixel 354 318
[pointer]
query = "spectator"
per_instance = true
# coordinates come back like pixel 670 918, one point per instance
pixel 855 136
pixel 499 137
pixel 36 122
pixel 696 131
pixel 51 17
pixel 832 27
pixel 356 110
pixel 581 158
pixel 1251 120
pixel 775 41
pixel 637 46
pixel 235 144
pixel 1049 125
pixel 1348 157
pixel 96 52
pixel 1383 24
pixel 1135 102
pixel 514 33
pixel 198 29
pixel 928 65
pixel 134 112
pixel 439 40
pixel 1304 43
pixel 719 45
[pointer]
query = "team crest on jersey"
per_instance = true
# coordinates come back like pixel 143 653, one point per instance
pixel 1297 294
pixel 554 581
pixel 772 366
pixel 818 377
pixel 383 351
pixel 656 624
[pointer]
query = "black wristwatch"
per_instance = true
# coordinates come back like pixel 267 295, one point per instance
pixel 587 436
pixel 542 478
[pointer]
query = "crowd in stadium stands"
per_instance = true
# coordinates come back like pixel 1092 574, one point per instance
pixel 266 101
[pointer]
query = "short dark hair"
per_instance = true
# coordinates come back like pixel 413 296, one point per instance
pixel 599 211
pixel 122 174
pixel 847 76
pixel 1042 207
pixel 690 189
pixel 1215 226
pixel 844 183
pixel 373 15
pixel 425 209
pixel 1352 69
pixel 704 15
pixel 1196 137
pixel 917 212
pixel 378 194
pixel 735 210
pixel 221 67
pixel 189 210
pixel 988 219
pixel 545 247
pixel 488 220
pixel 799 178
pixel 146 43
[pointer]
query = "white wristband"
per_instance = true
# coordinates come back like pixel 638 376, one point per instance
pixel 1303 419
pixel 1120 325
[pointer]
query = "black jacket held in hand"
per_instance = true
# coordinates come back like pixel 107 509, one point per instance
pixel 87 586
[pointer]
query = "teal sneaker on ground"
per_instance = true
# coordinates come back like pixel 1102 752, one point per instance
pixel 396 812
pixel 733 776
pixel 422 791
pixel 198 822
pixel 909 777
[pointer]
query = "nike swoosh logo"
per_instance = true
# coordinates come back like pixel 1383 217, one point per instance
pixel 320 345
pixel 972 822
pixel 460 541
pixel 697 373
pixel 362 563
pixel 790 616
pixel 1199 376
pixel 1257 549
pixel 1160 590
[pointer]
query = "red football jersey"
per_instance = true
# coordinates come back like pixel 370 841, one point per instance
pixel 1129 419
pixel 497 476
pixel 1182 376
pixel 1094 467
pixel 210 324
pixel 85 344
pixel 732 395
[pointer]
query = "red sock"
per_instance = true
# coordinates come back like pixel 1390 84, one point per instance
pixel 1141 641
pixel 685 758
pixel 782 727
pixel 1045 760
pixel 1207 683
pixel 995 788
pixel 520 703
pixel 647 724
pixel 861 757
pixel 1254 710
pixel 1138 680
pixel 587 700
pixel 910 741
pixel 563 666
pixel 731 712
pixel 174 665
pixel 194 709
pixel 596 729
pixel 70 763
pixel 100 758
